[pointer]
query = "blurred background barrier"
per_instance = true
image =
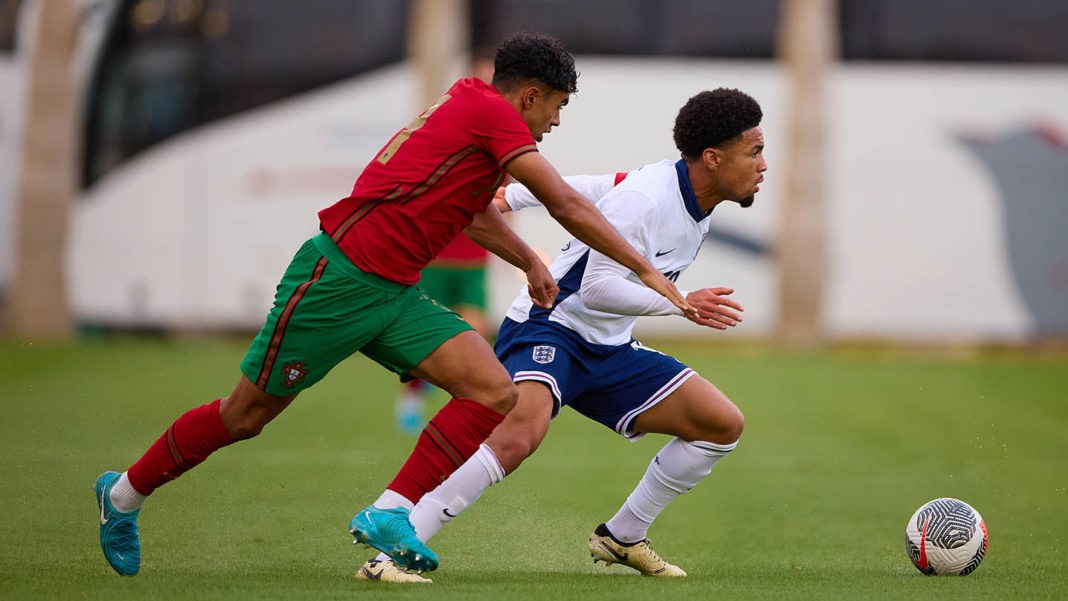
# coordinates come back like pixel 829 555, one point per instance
pixel 917 152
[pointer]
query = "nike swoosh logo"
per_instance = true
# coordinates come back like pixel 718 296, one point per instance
pixel 661 253
pixel 447 513
pixel 620 557
pixel 103 520
pixel 923 544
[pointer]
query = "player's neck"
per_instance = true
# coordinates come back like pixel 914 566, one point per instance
pixel 514 99
pixel 704 189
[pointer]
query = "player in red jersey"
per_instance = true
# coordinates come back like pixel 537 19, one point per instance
pixel 349 289
pixel 455 278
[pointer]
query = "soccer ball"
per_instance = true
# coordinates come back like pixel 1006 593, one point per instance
pixel 946 537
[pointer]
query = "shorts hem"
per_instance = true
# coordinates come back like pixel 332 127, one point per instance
pixel 544 378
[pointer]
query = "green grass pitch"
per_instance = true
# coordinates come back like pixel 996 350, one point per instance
pixel 839 449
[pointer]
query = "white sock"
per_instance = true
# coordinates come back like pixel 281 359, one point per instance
pixel 439 506
pixel 424 516
pixel 677 468
pixel 392 500
pixel 125 497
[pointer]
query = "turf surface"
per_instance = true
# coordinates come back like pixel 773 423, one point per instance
pixel 840 448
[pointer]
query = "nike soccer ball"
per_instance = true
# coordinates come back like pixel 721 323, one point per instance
pixel 946 537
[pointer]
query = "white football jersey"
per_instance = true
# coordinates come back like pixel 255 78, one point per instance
pixel 655 210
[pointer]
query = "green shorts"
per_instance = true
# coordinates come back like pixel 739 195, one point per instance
pixel 455 286
pixel 325 309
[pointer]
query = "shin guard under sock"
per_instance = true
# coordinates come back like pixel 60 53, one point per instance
pixel 188 442
pixel 448 440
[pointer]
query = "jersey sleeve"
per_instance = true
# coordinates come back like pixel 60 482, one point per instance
pixel 605 284
pixel 499 129
pixel 592 187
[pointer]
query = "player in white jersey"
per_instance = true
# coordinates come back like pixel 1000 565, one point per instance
pixel 580 353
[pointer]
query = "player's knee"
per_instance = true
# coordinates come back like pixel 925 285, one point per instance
pixel 734 426
pixel 513 449
pixel 726 428
pixel 247 410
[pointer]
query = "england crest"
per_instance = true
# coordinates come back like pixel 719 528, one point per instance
pixel 544 354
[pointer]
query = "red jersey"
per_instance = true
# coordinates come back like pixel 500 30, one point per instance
pixel 427 183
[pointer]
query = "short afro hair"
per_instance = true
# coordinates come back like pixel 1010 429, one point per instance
pixel 527 56
pixel 711 118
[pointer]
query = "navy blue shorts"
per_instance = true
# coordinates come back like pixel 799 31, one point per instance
pixel 608 384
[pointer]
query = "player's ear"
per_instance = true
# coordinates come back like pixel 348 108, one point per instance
pixel 530 96
pixel 712 158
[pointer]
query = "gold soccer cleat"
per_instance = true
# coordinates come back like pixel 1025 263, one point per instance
pixel 387 571
pixel 639 555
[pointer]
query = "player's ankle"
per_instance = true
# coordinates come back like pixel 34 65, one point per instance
pixel 124 497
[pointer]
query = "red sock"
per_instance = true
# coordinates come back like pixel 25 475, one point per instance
pixel 189 441
pixel 451 437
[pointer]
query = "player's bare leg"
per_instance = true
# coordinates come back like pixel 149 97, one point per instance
pixel 696 411
pixel 707 426
pixel 247 410
pixel 515 439
pixel 466 367
pixel 186 443
pixel 483 393
pixel 411 404
pixel 525 426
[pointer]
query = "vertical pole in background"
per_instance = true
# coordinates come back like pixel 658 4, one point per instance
pixel 437 38
pixel 39 306
pixel 808 45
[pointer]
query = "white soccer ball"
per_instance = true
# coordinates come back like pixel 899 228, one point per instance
pixel 946 537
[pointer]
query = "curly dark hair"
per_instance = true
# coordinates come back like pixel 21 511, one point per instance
pixel 711 118
pixel 527 56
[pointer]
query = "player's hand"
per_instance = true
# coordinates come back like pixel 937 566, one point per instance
pixel 657 281
pixel 715 309
pixel 541 285
pixel 500 201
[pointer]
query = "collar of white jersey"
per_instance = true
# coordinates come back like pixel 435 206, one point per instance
pixel 689 199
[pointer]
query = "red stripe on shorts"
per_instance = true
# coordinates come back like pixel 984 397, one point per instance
pixel 283 321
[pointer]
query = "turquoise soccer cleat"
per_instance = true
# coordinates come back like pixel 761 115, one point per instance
pixel 119 539
pixel 390 531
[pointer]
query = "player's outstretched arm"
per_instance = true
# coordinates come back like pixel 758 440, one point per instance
pixel 605 287
pixel 579 217
pixel 489 231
